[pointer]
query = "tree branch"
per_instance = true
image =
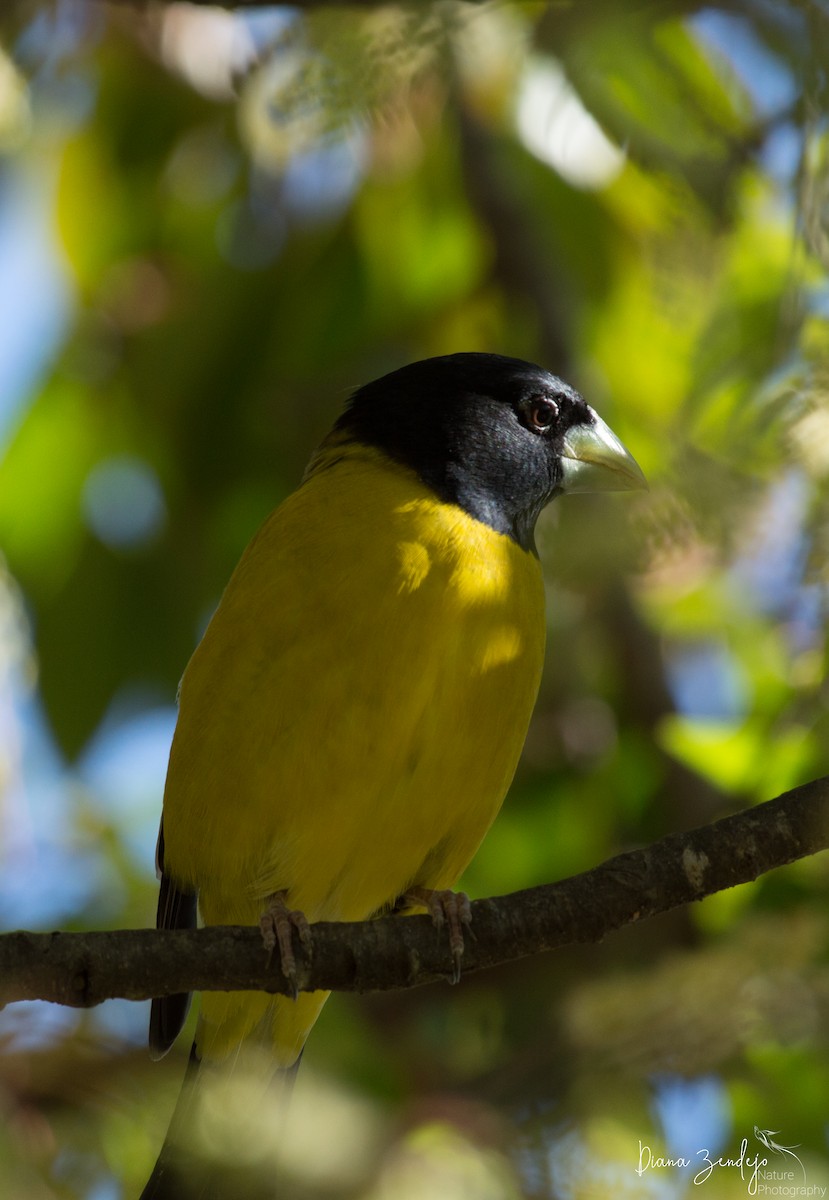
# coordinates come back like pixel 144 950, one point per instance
pixel 83 969
pixel 230 5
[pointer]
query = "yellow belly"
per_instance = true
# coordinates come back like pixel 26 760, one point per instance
pixel 353 717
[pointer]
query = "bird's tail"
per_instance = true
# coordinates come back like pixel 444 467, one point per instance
pixel 181 1173
pixel 170 1179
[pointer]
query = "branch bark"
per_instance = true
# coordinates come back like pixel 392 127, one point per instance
pixel 231 5
pixel 84 969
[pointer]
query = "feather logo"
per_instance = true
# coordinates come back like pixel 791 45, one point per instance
pixel 767 1136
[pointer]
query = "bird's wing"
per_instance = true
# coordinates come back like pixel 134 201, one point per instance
pixel 177 909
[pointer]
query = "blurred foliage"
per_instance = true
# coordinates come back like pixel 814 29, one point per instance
pixel 252 216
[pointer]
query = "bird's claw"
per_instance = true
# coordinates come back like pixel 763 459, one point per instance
pixel 448 908
pixel 276 925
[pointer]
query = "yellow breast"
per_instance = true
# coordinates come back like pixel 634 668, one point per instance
pixel 353 717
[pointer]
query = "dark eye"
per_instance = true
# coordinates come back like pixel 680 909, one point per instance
pixel 541 413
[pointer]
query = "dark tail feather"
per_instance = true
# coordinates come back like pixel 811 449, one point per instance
pixel 286 1078
pixel 170 1179
pixel 179 1175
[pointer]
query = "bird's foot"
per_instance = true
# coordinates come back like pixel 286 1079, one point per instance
pixel 276 925
pixel 445 908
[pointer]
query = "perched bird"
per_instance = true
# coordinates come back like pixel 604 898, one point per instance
pixel 351 721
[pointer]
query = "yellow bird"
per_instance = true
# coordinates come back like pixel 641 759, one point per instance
pixel 351 721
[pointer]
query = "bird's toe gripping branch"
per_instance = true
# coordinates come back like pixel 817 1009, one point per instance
pixel 448 908
pixel 276 925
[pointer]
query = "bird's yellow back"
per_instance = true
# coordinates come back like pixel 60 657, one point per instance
pixel 353 717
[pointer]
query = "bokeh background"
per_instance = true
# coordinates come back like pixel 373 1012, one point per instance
pixel 213 225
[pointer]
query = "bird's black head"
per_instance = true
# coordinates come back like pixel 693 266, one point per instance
pixel 497 436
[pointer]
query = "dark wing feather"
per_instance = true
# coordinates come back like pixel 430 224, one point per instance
pixel 176 910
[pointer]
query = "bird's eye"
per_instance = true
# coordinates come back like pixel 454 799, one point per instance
pixel 541 413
